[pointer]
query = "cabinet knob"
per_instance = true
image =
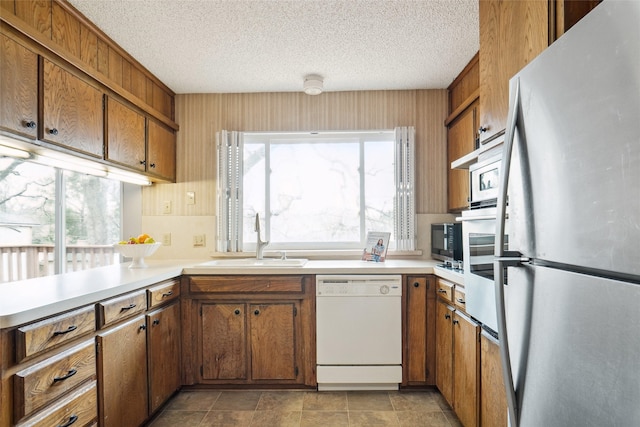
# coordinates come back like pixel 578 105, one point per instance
pixel 156 322
pixel 460 300
pixel 29 124
pixel 256 312
pixel 447 316
pixel 143 162
pixel 237 312
pixel 416 285
pixel 483 129
pixel 152 165
pixel 455 322
pixel 53 131
pixel 143 327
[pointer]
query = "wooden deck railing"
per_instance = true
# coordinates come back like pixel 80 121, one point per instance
pixel 29 261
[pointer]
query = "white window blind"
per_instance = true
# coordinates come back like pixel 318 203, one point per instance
pixel 230 146
pixel 405 229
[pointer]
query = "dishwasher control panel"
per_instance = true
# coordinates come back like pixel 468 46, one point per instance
pixel 359 285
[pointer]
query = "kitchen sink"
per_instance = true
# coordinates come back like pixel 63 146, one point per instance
pixel 254 262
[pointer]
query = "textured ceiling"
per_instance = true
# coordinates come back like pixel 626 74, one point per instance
pixel 228 46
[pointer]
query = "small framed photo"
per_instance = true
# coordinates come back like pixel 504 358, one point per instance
pixel 376 247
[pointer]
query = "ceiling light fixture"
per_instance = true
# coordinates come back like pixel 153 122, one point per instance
pixel 313 84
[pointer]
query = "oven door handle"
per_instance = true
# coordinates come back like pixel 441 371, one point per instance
pixel 499 263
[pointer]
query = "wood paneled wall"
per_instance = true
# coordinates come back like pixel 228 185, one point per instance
pixel 200 116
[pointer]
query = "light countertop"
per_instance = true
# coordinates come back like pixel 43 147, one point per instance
pixel 28 300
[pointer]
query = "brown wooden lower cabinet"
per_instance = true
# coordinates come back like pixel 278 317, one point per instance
pixel 458 361
pixel 466 364
pixel 248 330
pixel 493 399
pixel 250 342
pixel 444 350
pixel 419 331
pixel 122 374
pixel 164 354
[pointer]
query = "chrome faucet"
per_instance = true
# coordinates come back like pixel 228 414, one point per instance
pixel 260 244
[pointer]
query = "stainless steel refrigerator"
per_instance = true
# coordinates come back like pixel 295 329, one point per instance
pixel 569 313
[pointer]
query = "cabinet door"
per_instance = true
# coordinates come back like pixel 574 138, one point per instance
pixel 164 354
pixel 161 146
pixel 512 33
pixel 493 399
pixel 461 137
pixel 72 112
pixel 125 135
pixel 19 88
pixel 122 374
pixel 444 350
pixel 466 350
pixel 224 344
pixel 419 363
pixel 273 343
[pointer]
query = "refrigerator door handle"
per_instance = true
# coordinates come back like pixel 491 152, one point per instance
pixel 499 264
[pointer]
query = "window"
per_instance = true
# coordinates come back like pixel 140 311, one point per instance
pixel 39 236
pixel 321 190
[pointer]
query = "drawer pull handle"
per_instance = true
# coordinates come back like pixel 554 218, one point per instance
pixel 129 307
pixel 447 316
pixel 69 329
pixel 460 300
pixel 64 377
pixel 167 294
pixel 442 291
pixel 72 420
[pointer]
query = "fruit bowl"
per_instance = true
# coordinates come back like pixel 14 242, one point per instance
pixel 137 252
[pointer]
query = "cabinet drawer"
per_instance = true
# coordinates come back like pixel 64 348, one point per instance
pixel 44 382
pixel 119 308
pixel 459 298
pixel 246 284
pixel 445 290
pixel 37 337
pixel 163 292
pixel 78 409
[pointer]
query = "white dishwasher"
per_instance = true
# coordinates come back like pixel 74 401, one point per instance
pixel 359 332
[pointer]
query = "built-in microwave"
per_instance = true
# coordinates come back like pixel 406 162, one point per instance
pixel 484 179
pixel 446 241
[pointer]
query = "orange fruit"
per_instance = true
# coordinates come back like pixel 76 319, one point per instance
pixel 142 238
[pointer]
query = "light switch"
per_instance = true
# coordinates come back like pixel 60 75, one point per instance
pixel 191 197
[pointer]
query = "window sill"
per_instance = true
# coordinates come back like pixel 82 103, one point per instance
pixel 316 254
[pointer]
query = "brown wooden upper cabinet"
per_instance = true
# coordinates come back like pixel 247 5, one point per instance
pixel 512 34
pixel 125 135
pixel 71 111
pixel 19 88
pixel 161 150
pixel 461 136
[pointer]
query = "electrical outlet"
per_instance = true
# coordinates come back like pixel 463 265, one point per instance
pixel 191 197
pixel 198 240
pixel 166 239
pixel 166 207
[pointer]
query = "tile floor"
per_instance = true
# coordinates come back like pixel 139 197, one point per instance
pixel 208 408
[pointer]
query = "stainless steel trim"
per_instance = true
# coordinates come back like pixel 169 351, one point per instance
pixel 512 120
